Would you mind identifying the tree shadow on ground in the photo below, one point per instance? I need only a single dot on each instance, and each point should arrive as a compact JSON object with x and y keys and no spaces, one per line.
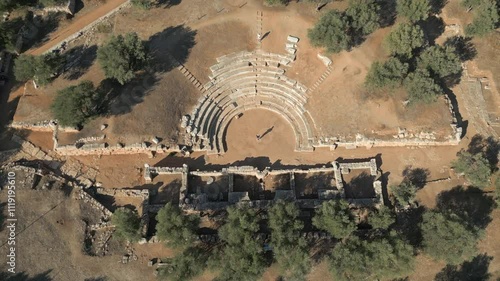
{"x":433,"y":27}
{"x":167,"y":3}
{"x":417,"y":176}
{"x":387,"y":13}
{"x":37,"y":29}
{"x":471,"y":205}
{"x":360,"y":186}
{"x":79,"y":60}
{"x":437,"y":6}
{"x":22,"y":276}
{"x":464,"y":47}
{"x":408,"y":224}
{"x":167,"y":49}
{"x":489,"y":147}
{"x":475,"y":269}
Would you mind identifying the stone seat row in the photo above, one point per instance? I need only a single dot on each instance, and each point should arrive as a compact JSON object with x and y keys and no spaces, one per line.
{"x":294,"y":118}
{"x":271,"y":86}
{"x":292,"y":112}
{"x":222,"y":100}
{"x":256,"y":55}
{"x":244,"y":66}
{"x":235,"y":81}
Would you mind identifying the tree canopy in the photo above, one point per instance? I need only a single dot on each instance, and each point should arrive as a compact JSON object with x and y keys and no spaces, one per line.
{"x":175,"y":228}
{"x":332,"y":32}
{"x":442,"y":61}
{"x":363,"y":16}
{"x":74,"y":105}
{"x":405,"y":38}
{"x":127,"y":224}
{"x":289,"y":247}
{"x":413,"y":10}
{"x":447,"y":238}
{"x":335,"y":217}
{"x":382,"y":218}
{"x":475,"y":167}
{"x":486,"y":18}
{"x":387,"y":74}
{"x":40,"y":68}
{"x":185,"y":266}
{"x":122,"y":56}
{"x":242,"y":257}
{"x":404,"y":193}
{"x":421,"y":87}
{"x":382,"y":258}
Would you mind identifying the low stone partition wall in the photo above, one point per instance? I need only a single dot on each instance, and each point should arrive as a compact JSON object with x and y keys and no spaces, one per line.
{"x":81,"y":194}
{"x":125,"y":192}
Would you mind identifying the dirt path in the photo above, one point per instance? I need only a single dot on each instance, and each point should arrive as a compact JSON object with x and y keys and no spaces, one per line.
{"x":60,"y":35}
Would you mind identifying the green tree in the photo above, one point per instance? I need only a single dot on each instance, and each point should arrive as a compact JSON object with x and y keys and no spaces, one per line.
{"x":8,"y":33}
{"x":475,"y":167}
{"x":127,"y":224}
{"x":242,"y":257}
{"x":383,"y":258}
{"x":443,"y":61}
{"x":122,"y":56}
{"x":289,"y":247}
{"x":447,"y":238}
{"x":363,"y":15}
{"x":421,"y":87}
{"x":74,"y":105}
{"x":388,"y":74}
{"x":143,"y":4}
{"x":405,"y":38}
{"x":174,"y":227}
{"x":332,"y":32}
{"x":413,"y":10}
{"x":335,"y":217}
{"x":40,"y":68}
{"x":185,"y":266}
{"x":405,"y":193}
{"x":486,"y":19}
{"x":276,"y":2}
{"x":382,"y":218}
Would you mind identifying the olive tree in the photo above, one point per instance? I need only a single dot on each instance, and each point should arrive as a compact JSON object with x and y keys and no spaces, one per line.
{"x":331,"y":32}
{"x":174,"y":227}
{"x":122,"y":56}
{"x":127,"y":224}
{"x":405,"y":38}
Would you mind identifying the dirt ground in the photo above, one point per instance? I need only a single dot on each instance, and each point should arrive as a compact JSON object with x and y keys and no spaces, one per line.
{"x":144,"y":108}
{"x":50,"y":241}
{"x":201,"y":28}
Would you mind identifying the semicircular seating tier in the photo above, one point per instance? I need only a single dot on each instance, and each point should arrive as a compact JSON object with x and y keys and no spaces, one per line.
{"x":244,"y":81}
